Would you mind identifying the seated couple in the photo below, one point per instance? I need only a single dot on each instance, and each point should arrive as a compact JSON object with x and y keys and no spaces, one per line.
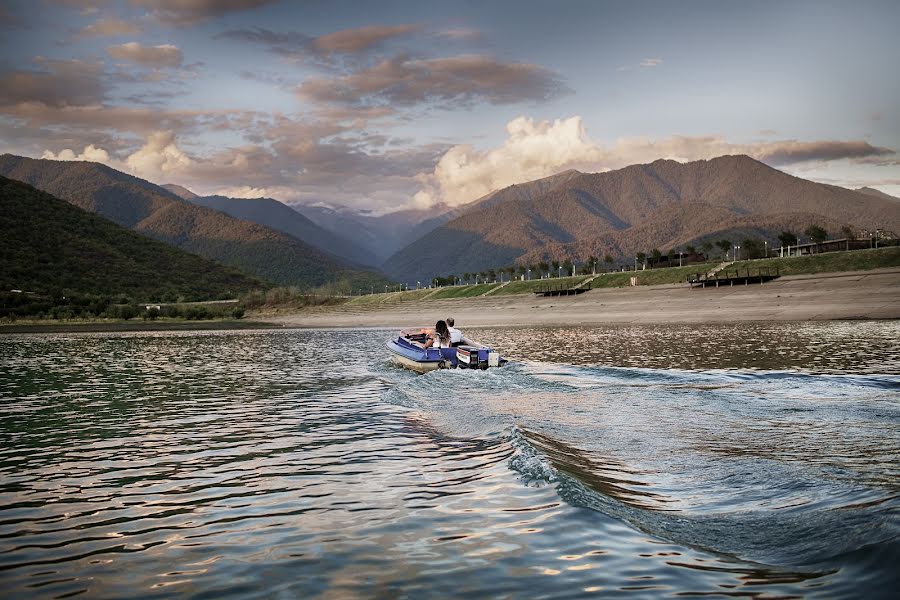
{"x":445,"y":335}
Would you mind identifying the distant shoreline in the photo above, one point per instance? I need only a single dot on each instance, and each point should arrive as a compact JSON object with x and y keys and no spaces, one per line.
{"x":136,"y":325}
{"x":833,"y":296}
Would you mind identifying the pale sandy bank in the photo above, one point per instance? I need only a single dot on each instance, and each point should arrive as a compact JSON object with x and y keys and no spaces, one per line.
{"x":829,"y":296}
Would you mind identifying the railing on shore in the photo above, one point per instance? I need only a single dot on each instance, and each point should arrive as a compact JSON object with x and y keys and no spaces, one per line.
{"x":732,"y":276}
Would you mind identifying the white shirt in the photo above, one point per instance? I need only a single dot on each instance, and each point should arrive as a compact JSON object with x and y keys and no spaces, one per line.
{"x":437,"y":343}
{"x":455,"y":335}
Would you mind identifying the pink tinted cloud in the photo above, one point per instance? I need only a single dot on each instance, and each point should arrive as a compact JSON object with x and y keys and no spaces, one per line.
{"x":360,"y":39}
{"x":165,"y":55}
{"x":182,"y":13}
{"x":464,"y":78}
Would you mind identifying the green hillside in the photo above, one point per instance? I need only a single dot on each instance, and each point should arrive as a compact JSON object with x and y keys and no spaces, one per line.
{"x":51,"y":247}
{"x":158,"y":213}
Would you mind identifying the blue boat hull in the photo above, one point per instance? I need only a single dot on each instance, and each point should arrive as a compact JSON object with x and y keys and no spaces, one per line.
{"x":406,"y":353}
{"x":421,"y":359}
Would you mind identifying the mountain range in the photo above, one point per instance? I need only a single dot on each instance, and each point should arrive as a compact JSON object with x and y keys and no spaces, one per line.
{"x":383,"y":235}
{"x":51,"y":246}
{"x":156,"y":212}
{"x":571,"y":215}
{"x":662,"y":205}
{"x":379,"y":235}
{"x":276,"y":215}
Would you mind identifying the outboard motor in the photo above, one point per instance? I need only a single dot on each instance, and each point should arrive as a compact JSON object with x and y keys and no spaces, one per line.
{"x":473,"y":357}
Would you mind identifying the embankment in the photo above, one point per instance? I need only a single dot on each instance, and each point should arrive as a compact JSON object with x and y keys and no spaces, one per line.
{"x":871,"y":294}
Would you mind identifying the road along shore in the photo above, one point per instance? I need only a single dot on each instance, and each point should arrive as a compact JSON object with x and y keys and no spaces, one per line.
{"x":827,"y":296}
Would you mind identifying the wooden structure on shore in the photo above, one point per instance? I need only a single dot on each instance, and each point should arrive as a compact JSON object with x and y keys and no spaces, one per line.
{"x":730,"y":277}
{"x":559,"y":290}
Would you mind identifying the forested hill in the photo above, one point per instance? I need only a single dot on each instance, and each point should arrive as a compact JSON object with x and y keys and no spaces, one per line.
{"x":51,"y":246}
{"x":153,"y":211}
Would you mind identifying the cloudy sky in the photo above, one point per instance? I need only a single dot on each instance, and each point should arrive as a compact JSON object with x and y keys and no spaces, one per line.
{"x":380,"y":106}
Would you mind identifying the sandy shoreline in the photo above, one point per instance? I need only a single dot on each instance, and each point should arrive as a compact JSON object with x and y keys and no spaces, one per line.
{"x":827,"y":296}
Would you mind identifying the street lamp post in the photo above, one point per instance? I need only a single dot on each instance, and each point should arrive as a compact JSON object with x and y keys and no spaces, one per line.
{"x":679,"y":258}
{"x":737,"y":251}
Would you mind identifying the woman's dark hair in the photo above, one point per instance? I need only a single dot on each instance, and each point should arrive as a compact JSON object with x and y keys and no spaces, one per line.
{"x":441,"y":330}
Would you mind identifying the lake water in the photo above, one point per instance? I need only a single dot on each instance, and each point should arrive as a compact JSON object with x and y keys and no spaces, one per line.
{"x":749,"y":460}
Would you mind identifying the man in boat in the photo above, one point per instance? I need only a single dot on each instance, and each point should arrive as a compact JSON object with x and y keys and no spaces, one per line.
{"x":456,"y":336}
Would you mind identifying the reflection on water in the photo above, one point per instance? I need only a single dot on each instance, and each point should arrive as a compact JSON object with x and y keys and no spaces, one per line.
{"x":606,"y":461}
{"x":819,"y":347}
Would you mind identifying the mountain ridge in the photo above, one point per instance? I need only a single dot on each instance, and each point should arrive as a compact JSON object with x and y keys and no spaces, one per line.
{"x":385,"y":234}
{"x":600,"y":213}
{"x":158,"y":213}
{"x":52,"y":244}
{"x":877,"y":193}
{"x":180,"y":191}
{"x":281,"y":217}
{"x":379,"y":235}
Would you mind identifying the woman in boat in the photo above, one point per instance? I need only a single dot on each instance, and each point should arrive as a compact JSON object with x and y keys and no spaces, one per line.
{"x":441,"y":336}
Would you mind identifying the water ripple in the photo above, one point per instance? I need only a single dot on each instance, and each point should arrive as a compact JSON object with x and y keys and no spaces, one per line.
{"x":298,"y":463}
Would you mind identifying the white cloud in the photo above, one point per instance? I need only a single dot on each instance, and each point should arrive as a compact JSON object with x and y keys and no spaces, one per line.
{"x":532,"y":150}
{"x":282,"y":193}
{"x":159,"y":158}
{"x":647,"y":63}
{"x":337,"y":170}
{"x":90,"y":153}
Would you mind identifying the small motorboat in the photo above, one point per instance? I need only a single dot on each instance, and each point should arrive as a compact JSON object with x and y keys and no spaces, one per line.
{"x":408,"y":350}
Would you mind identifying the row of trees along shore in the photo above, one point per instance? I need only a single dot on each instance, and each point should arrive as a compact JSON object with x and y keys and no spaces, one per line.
{"x":722,"y":249}
{"x":16,"y":305}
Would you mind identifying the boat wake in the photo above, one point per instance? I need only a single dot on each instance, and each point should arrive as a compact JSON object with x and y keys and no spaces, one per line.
{"x":780,"y":469}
